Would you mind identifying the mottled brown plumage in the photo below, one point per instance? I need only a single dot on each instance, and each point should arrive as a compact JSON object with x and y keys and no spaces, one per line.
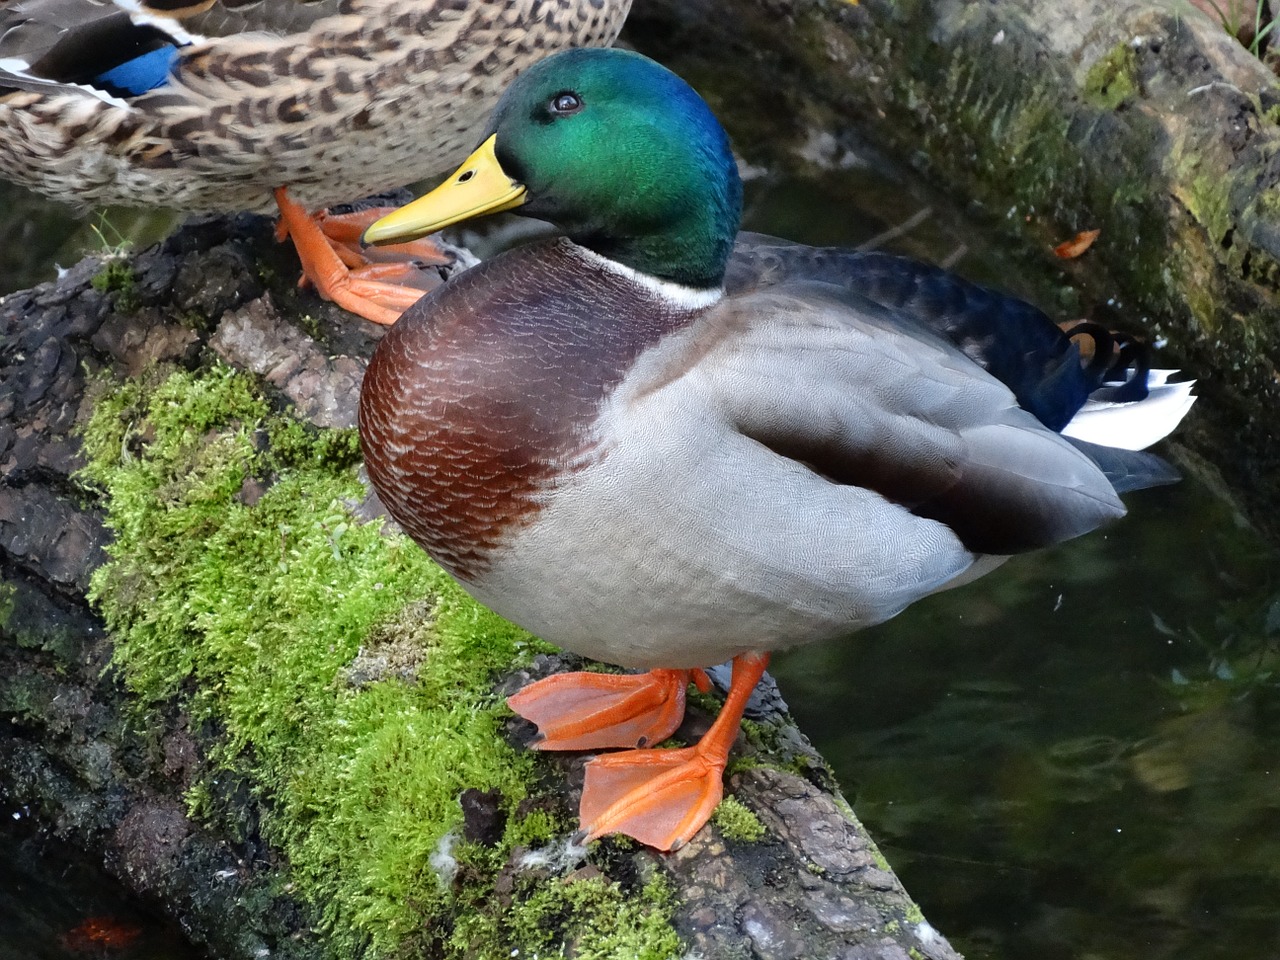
{"x":336,"y":99}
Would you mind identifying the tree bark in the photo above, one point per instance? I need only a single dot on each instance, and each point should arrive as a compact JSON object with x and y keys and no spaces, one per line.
{"x":97,"y":771}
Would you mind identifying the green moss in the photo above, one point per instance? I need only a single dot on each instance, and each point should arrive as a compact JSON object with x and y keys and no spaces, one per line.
{"x":26,"y":698}
{"x":1114,"y":79}
{"x":739,"y":763}
{"x":116,"y":276}
{"x":762,"y":736}
{"x":252,"y":615}
{"x":595,"y":919}
{"x":1268,"y":202}
{"x":538,"y":829}
{"x":24,"y":627}
{"x":8,"y":603}
{"x":879,"y":859}
{"x":1209,"y":201}
{"x":737,"y":821}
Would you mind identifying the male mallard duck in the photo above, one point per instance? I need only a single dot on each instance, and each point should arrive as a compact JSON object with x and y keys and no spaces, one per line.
{"x":214,"y":104}
{"x":658,"y":450}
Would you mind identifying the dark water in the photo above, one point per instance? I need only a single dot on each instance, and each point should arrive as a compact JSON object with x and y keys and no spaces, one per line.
{"x":54,"y":906}
{"x":1076,"y":757}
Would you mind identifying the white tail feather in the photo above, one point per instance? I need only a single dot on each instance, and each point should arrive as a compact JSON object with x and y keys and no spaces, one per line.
{"x":1137,"y":425}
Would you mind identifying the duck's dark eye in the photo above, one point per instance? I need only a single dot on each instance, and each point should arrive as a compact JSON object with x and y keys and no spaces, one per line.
{"x":565,"y":103}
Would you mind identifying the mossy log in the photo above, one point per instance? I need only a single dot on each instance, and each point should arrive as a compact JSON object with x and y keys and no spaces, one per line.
{"x":225,"y":727}
{"x":1142,"y":119}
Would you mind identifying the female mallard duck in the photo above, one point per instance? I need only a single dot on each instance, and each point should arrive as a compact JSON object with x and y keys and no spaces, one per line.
{"x":658,"y":450}
{"x":213,"y":104}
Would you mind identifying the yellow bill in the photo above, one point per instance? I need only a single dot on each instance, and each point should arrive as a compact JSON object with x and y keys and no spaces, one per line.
{"x":479,"y":186}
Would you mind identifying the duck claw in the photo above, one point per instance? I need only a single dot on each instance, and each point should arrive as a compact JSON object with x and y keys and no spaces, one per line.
{"x":341,"y":273}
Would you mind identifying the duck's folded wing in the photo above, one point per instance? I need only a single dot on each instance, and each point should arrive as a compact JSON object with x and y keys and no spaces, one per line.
{"x":838,"y":383}
{"x":1011,"y":339}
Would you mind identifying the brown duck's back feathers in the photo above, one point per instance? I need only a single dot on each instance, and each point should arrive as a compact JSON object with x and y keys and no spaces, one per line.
{"x":337,"y":99}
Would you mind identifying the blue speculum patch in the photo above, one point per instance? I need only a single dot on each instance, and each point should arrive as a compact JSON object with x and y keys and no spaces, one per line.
{"x":142,"y":73}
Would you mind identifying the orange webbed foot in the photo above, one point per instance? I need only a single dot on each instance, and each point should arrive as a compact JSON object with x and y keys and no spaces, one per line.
{"x":594,"y":711}
{"x":393,"y":262}
{"x":659,"y":797}
{"x":331,"y":259}
{"x":663,"y":797}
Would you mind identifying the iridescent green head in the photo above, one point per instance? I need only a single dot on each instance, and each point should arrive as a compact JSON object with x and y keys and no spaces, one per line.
{"x":614,"y":149}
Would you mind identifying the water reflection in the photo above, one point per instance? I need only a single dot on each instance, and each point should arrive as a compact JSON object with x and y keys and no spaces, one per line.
{"x":1077,"y":755}
{"x":55,"y":906}
{"x":36,"y":235}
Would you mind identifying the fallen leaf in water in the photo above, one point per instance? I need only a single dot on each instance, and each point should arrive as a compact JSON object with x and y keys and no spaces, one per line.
{"x":1077,"y":245}
{"x":100,"y":933}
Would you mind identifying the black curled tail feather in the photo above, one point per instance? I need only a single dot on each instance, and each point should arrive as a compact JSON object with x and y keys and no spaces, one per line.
{"x":1117,"y":358}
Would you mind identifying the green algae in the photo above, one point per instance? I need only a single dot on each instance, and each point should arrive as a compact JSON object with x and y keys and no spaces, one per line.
{"x":1113,"y":80}
{"x":241,"y":585}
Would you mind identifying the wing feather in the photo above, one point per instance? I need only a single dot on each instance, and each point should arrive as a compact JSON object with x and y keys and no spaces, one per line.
{"x":836,"y":382}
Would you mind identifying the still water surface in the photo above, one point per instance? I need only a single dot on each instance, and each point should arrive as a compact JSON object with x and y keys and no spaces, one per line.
{"x":1076,"y":757}
{"x":55,"y":906}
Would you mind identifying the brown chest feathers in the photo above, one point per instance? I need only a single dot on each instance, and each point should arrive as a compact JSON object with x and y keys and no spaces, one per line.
{"x":487,"y":391}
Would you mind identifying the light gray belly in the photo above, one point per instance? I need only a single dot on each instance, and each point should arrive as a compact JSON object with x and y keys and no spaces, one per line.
{"x":685,"y":547}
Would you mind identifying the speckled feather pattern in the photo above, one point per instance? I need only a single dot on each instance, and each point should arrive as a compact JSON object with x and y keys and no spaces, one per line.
{"x":378,"y":95}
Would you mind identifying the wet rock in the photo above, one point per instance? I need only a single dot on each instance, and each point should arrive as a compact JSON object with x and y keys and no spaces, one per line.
{"x":137,"y":342}
{"x":219,"y":280}
{"x":148,"y":841}
{"x":49,"y":532}
{"x":770,"y":933}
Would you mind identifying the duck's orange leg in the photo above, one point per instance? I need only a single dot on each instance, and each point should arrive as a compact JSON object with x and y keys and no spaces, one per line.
{"x":594,"y":711}
{"x":663,"y":797}
{"x":335,"y":277}
{"x":401,"y":261}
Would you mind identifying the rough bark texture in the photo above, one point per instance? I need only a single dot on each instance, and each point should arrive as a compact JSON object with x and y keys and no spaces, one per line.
{"x":72,"y":750}
{"x":1142,"y":119}
{"x":78,"y":753}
